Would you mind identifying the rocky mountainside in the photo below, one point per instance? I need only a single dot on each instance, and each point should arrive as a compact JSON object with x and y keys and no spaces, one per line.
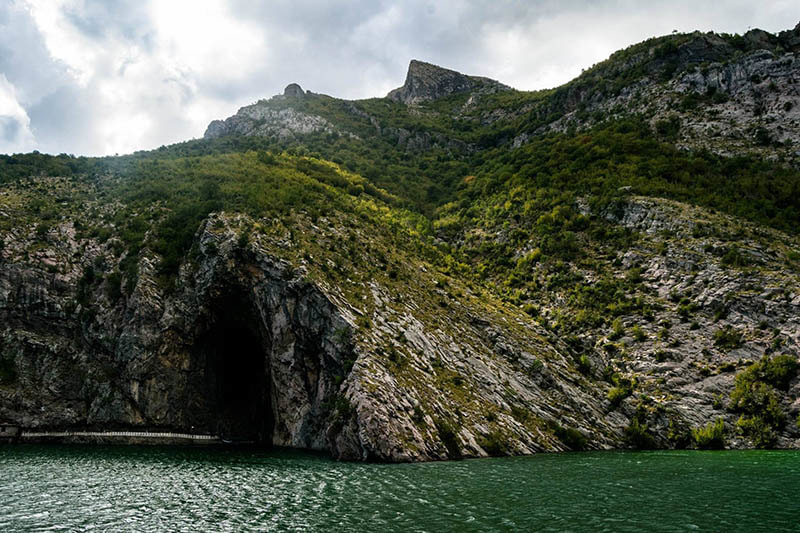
{"x":727,"y":94}
{"x":458,"y":269}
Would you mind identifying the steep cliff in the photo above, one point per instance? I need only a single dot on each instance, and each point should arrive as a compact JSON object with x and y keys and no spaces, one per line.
{"x":250,"y":347}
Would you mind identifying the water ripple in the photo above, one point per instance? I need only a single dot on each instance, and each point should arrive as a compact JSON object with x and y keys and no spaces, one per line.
{"x":68,"y":488}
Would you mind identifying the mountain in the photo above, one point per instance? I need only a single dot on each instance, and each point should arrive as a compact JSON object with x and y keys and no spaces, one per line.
{"x":457,"y":269}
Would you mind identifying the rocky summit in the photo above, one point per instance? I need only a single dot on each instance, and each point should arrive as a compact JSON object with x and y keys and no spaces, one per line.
{"x":425,"y":82}
{"x":458,"y":269}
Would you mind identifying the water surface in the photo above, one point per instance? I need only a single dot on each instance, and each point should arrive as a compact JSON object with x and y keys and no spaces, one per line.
{"x":65,"y":488}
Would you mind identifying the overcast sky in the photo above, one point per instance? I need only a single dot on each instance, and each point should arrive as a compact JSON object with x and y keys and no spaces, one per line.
{"x":93,"y":77}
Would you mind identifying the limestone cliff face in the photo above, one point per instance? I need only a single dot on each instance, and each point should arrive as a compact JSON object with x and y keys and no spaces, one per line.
{"x":244,"y":349}
{"x":279,"y":119}
{"x":248,"y":348}
{"x":425,"y":82}
{"x":251,"y":346}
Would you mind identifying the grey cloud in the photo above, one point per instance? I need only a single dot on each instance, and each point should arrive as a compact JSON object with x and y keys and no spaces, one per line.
{"x":24,"y":59}
{"x":10,"y":129}
{"x":103,"y":19}
{"x":65,"y":114}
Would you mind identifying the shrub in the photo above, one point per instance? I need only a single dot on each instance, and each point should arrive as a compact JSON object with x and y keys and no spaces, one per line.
{"x":584,"y":365}
{"x":493,"y":443}
{"x":8,"y":371}
{"x":669,"y":127}
{"x":763,"y":136}
{"x":678,"y":434}
{"x":777,"y":372}
{"x":780,"y":371}
{"x":617,"y":330}
{"x":617,"y":394}
{"x":570,"y":437}
{"x":758,"y":430}
{"x":733,"y":257}
{"x":449,"y":438}
{"x":711,"y":436}
{"x":637,"y":435}
{"x":755,"y":398}
{"x":727,"y":338}
{"x":114,"y":286}
{"x":340,"y":410}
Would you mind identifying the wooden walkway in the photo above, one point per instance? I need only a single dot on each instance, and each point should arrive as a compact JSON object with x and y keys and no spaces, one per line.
{"x":117,"y":434}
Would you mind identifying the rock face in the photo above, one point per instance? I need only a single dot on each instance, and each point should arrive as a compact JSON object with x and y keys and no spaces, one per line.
{"x":425,"y":82}
{"x":257,"y":119}
{"x":245,"y":350}
{"x":333,"y":328}
{"x":247,"y":347}
{"x":294,"y":90}
{"x":720,"y":94}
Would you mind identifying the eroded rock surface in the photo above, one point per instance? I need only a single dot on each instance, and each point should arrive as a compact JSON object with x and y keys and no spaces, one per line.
{"x":425,"y":82}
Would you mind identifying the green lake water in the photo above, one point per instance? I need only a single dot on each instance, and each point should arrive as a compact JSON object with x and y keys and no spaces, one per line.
{"x":77,"y":488}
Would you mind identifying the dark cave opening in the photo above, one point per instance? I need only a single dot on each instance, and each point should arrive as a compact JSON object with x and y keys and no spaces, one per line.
{"x":237,"y":384}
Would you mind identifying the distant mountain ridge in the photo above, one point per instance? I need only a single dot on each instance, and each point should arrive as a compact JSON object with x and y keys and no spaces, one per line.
{"x":731,"y":94}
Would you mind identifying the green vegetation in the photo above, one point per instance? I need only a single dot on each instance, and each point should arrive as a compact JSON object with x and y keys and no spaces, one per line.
{"x":755,"y":397}
{"x":679,"y":435}
{"x":638,"y":333}
{"x":449,"y":438}
{"x":617,"y":330}
{"x":341,"y":410}
{"x":570,"y":437}
{"x":439,"y":188}
{"x":494,"y":443}
{"x":637,"y":435}
{"x":727,"y":338}
{"x":617,"y":394}
{"x":711,"y":436}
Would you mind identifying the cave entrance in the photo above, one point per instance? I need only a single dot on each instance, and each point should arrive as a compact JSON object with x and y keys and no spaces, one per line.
{"x":237,"y":381}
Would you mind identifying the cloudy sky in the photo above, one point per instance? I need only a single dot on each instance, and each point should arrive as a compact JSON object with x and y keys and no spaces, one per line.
{"x":93,"y":77}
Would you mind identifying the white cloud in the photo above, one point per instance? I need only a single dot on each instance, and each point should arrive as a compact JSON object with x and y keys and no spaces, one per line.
{"x":15,"y":126}
{"x":200,"y":37}
{"x":63,"y":40}
{"x":144,"y":87}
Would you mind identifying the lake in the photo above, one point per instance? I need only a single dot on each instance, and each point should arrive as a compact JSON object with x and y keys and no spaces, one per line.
{"x":62,"y":487}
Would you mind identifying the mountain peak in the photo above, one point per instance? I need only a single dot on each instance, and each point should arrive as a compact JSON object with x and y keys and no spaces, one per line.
{"x":293,"y":89}
{"x":426,"y":81}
